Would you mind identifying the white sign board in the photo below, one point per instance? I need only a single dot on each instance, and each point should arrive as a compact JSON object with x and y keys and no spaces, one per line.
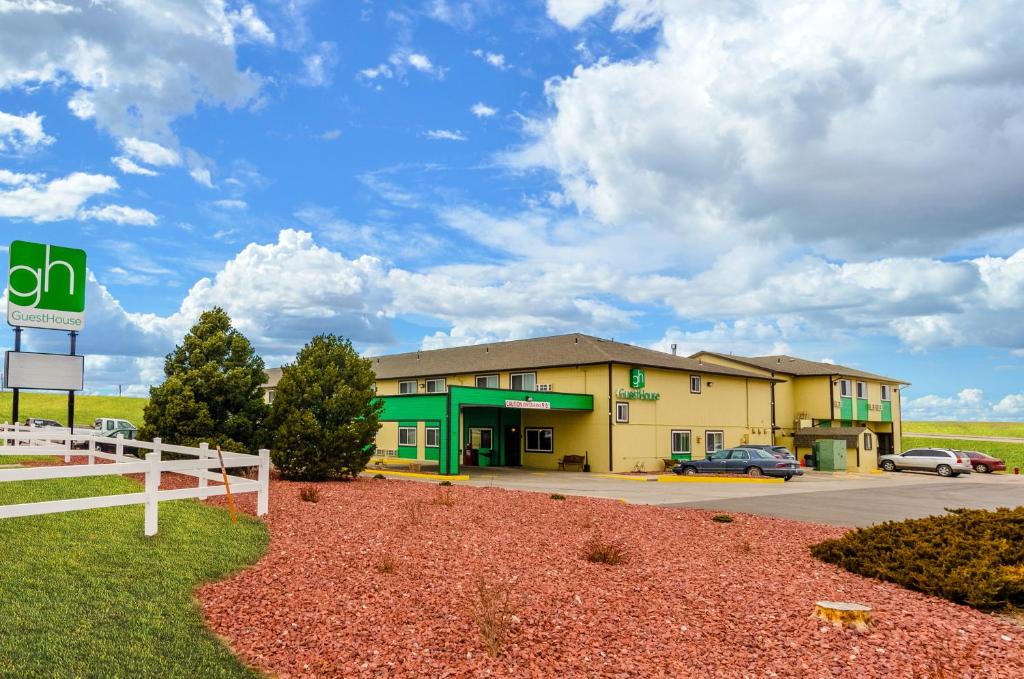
{"x":531,"y":405}
{"x":25,"y":370}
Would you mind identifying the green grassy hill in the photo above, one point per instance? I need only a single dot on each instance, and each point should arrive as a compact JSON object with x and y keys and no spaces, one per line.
{"x":87,"y":408}
{"x":1014,"y":429}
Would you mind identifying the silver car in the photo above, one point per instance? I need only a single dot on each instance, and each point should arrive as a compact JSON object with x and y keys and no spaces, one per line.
{"x":942,"y":461}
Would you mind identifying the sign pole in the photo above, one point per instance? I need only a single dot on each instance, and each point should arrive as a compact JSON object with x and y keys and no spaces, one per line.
{"x":71,"y":394}
{"x":14,"y":392}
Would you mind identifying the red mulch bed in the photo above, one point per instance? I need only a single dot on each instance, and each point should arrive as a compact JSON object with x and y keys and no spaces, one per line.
{"x":695,"y":598}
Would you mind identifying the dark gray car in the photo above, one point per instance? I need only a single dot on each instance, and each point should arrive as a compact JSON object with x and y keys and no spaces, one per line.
{"x":750,"y":461}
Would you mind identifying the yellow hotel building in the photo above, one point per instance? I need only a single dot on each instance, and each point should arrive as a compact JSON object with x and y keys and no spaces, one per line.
{"x":575,"y":401}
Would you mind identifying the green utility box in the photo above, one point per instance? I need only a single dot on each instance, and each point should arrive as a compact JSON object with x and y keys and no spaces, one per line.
{"x":830,"y":455}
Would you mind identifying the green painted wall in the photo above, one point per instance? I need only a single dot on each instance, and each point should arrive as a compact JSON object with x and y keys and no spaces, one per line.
{"x":845,"y":408}
{"x":886,"y":411}
{"x":862,"y":409}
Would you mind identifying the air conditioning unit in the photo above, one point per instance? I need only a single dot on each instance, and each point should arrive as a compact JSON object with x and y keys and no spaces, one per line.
{"x":543,"y":387}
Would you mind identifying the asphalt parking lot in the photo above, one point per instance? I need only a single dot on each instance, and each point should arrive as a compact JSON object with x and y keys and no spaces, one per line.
{"x":842,"y":500}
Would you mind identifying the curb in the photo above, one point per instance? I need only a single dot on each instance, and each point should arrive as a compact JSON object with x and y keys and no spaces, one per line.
{"x":688,"y":479}
{"x":417,"y":475}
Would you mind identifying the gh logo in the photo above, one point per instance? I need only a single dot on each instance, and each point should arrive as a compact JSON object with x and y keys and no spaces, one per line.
{"x":637,"y":380}
{"x":38,"y":279}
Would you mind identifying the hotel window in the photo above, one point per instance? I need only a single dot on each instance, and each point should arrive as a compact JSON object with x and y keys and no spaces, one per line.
{"x":523,"y":382}
{"x":869,"y":442}
{"x":540,"y":440}
{"x":680,"y":442}
{"x":435,"y":385}
{"x":407,"y":436}
{"x":694,"y":384}
{"x":481,"y":437}
{"x":844,"y":387}
{"x":622,"y":412}
{"x":407,"y":387}
{"x":270,"y":395}
{"x":886,"y":392}
{"x":714,"y":440}
{"x":432,"y":437}
{"x":862,"y":390}
{"x":486,"y":381}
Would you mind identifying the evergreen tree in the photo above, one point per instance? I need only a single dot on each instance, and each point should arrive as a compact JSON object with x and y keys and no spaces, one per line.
{"x":213,"y":389}
{"x":324,"y":418}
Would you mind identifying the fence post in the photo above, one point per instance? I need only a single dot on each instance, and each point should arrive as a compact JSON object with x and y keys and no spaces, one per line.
{"x":92,"y":450}
{"x":152,"y":486}
{"x":263,"y":494}
{"x":204,"y":448}
{"x":67,"y":446}
{"x":119,"y":448}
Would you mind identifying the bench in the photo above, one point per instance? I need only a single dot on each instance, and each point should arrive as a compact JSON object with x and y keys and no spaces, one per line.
{"x":577,"y":460}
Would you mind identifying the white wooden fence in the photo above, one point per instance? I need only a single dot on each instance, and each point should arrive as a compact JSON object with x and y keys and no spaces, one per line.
{"x":201,"y":463}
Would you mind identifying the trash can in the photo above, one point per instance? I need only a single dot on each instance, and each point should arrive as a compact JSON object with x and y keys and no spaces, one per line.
{"x":810,"y":461}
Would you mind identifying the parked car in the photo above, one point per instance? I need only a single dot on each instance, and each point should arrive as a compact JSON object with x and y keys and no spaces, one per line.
{"x":40,"y":422}
{"x":780,"y":452}
{"x":942,"y":461}
{"x":750,"y":461}
{"x":982,"y":463}
{"x":109,"y":427}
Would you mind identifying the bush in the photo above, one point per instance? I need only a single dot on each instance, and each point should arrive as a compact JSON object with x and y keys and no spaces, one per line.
{"x":213,"y":389}
{"x":493,"y":612}
{"x":310,"y":494}
{"x":608,"y":553}
{"x":445,"y":483}
{"x":974,"y":557}
{"x":722,"y":518}
{"x":387,"y":565}
{"x":323,"y":421}
{"x":379,"y":476}
{"x":556,"y":496}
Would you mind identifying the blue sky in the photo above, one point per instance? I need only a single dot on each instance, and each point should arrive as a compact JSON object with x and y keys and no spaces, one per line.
{"x":841,"y":181}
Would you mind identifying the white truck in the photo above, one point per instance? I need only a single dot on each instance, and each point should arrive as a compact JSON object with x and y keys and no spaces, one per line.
{"x":107,"y":426}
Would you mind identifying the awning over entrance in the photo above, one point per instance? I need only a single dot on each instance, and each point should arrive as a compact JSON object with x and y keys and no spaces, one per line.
{"x":445,"y":410}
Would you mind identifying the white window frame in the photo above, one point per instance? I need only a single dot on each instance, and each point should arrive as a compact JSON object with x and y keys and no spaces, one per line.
{"x":526,"y":439}
{"x":442,"y":380}
{"x":862,"y":386}
{"x":869,"y":442}
{"x":689,"y":442}
{"x":271,"y":393}
{"x":436,"y":431}
{"x":497,"y":381}
{"x":512,"y":378}
{"x":406,"y":382}
{"x":407,"y":430}
{"x":693,"y":379}
{"x":845,"y":389}
{"x":707,"y":440}
{"x":622,"y":412}
{"x":886,"y":392}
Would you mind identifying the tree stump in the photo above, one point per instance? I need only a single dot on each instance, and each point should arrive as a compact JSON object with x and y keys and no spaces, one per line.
{"x":843,"y":614}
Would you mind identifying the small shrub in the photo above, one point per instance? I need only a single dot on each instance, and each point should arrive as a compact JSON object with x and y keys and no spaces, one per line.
{"x":492,"y":609}
{"x":413,"y":513}
{"x":310,"y":494}
{"x":608,"y":553}
{"x":974,"y":557}
{"x":445,"y":483}
{"x":387,"y":565}
{"x":722,"y":518}
{"x":379,"y":476}
{"x":556,"y":496}
{"x":586,"y":521}
{"x":444,"y":498}
{"x":744,"y":547}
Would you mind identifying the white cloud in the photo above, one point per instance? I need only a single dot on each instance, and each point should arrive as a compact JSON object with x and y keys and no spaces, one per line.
{"x":128,"y":166}
{"x":131,"y":66}
{"x":379,"y":71}
{"x":495,"y":59}
{"x":150,"y":152}
{"x":330,"y":135}
{"x":119,"y":214}
{"x":852,"y":127}
{"x":199,"y":168}
{"x":249,"y":27}
{"x":318,"y":66}
{"x":17,"y":178}
{"x":968,"y":404}
{"x":482,"y":110}
{"x":421,"y":63}
{"x":56,"y":200}
{"x":231,"y":204}
{"x":449,"y":135}
{"x":22,"y":134}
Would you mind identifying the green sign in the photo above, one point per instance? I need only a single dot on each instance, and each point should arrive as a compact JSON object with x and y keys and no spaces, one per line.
{"x":46,"y":286}
{"x":638,"y":394}
{"x":637,"y":379}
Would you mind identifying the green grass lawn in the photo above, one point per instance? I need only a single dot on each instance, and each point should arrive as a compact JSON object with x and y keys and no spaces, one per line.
{"x":85,"y":594}
{"x":1013,"y":429}
{"x":87,"y":408}
{"x":1011,"y":453}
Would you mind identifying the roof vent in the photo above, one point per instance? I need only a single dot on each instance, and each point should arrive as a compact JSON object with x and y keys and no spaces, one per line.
{"x":576,"y":340}
{"x":778,"y":360}
{"x":674,"y":347}
{"x":417,"y":355}
{"x":487,"y":350}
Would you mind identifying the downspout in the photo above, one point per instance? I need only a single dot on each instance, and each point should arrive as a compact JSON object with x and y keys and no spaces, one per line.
{"x":831,"y":400}
{"x":611,"y":422}
{"x":772,"y":389}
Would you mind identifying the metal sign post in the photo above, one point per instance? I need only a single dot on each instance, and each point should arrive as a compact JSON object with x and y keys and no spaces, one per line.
{"x":15,"y":391}
{"x":71,"y":393}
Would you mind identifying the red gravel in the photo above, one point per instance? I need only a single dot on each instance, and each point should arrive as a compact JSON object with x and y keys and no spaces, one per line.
{"x":694,"y":599}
